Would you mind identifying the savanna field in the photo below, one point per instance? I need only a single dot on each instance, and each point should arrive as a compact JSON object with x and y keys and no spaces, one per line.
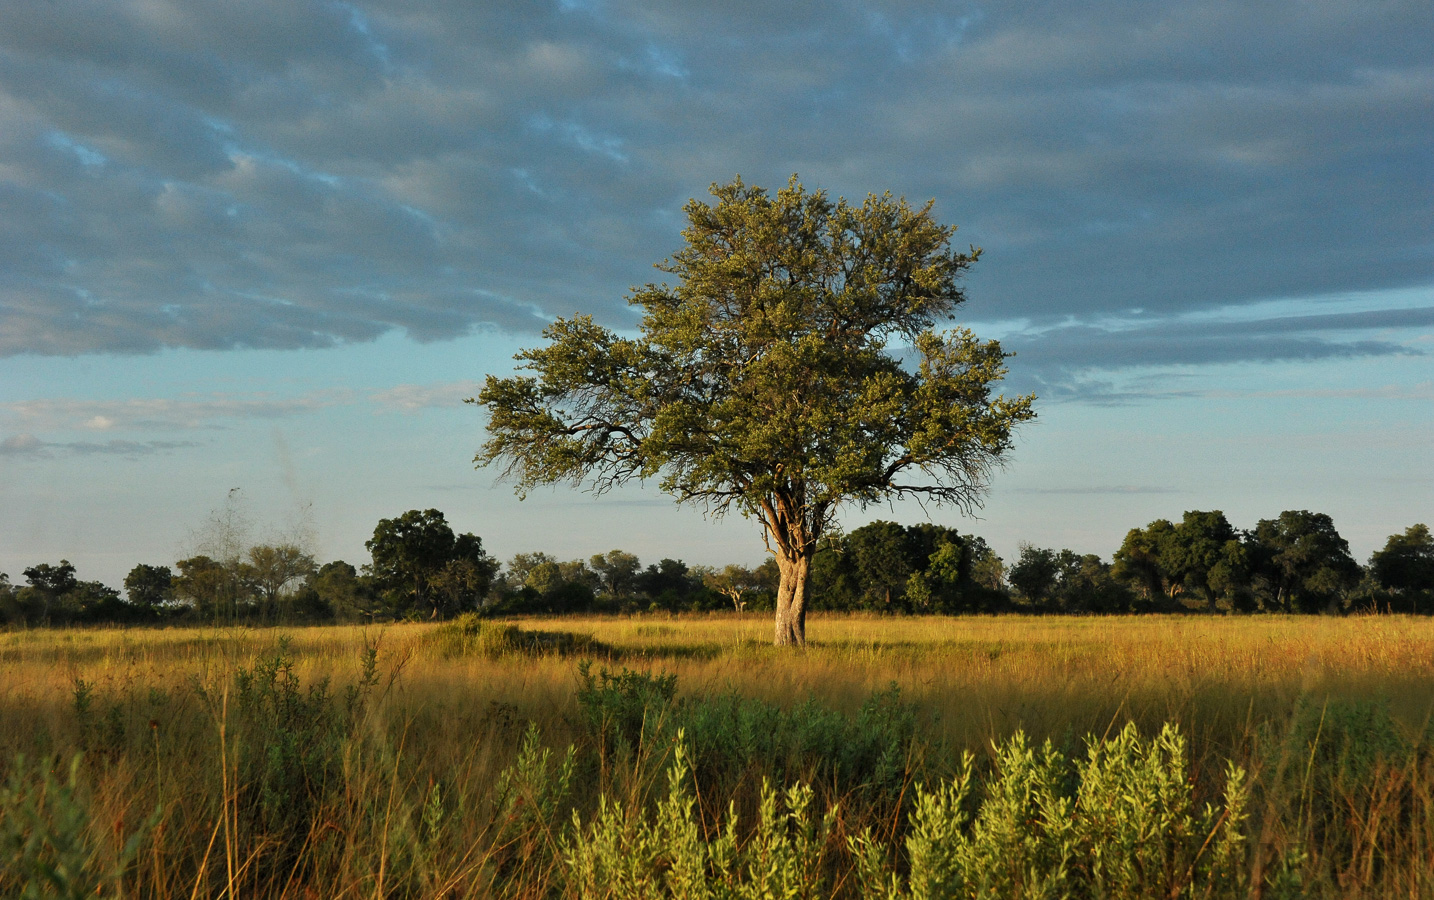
{"x":1182,"y":756}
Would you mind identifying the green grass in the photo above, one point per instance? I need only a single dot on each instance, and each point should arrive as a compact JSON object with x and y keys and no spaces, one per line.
{"x":597,"y":756}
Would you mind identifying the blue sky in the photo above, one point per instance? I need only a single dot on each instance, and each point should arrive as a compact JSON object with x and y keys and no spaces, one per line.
{"x":273,"y":245}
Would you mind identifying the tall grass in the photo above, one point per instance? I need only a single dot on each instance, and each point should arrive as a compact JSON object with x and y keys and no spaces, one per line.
{"x":476,"y":760}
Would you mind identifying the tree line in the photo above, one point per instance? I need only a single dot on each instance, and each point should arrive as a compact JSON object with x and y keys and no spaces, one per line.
{"x":421,"y":569}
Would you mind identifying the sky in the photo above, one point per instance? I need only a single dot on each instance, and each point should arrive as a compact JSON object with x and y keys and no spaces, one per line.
{"x":271,"y":246}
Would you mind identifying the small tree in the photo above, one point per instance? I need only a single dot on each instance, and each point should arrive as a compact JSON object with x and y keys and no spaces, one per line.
{"x":274,"y":568}
{"x":764,"y":380}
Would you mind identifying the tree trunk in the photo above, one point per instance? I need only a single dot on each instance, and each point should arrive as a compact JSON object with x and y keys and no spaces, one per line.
{"x":793,"y":591}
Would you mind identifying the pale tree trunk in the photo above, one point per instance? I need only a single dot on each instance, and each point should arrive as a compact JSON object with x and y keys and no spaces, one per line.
{"x":793,"y":592}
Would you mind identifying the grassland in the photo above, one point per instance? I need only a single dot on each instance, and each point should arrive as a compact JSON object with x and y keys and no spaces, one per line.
{"x":370,"y":762}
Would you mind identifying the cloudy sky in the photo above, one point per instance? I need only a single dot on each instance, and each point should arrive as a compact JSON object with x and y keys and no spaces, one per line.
{"x":271,"y":245}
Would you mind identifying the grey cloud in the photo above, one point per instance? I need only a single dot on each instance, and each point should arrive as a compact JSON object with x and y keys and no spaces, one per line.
{"x":27,"y":445}
{"x":297,"y":174}
{"x":415,"y":397}
{"x":165,"y":413}
{"x":1105,"y":489}
{"x":1073,"y":360}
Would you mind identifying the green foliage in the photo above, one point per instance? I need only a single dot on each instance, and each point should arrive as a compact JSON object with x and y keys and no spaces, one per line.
{"x":762,"y":380}
{"x":422,"y":566}
{"x":629,"y":714}
{"x":887,"y":567}
{"x":1064,"y":581}
{"x":624,"y":853}
{"x":469,"y":635}
{"x":1304,"y":564}
{"x":1405,"y":566}
{"x":1335,"y":757}
{"x":289,"y":744}
{"x":620,"y":709}
{"x":47,"y":845}
{"x":870,"y":754}
{"x":530,"y":799}
{"x":1122,"y":824}
{"x":149,"y":587}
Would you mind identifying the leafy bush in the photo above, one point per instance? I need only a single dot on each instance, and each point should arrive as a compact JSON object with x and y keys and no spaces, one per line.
{"x":469,"y":635}
{"x":1130,"y":829}
{"x":869,"y":755}
{"x":624,"y":853}
{"x":620,"y":709}
{"x":46,"y":846}
{"x":289,"y":746}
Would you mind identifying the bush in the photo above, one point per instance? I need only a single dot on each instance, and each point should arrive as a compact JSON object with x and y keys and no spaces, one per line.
{"x":46,"y":846}
{"x":1129,"y":829}
{"x":469,"y":635}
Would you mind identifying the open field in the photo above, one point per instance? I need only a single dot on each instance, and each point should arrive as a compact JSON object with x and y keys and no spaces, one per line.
{"x":237,"y":778}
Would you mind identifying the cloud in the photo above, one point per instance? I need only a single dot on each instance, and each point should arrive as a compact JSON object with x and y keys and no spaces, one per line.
{"x":22,"y":445}
{"x":1105,"y":489}
{"x":287,"y":174}
{"x":186,"y":412}
{"x":27,"y":445}
{"x":1076,"y":359}
{"x":415,"y":397}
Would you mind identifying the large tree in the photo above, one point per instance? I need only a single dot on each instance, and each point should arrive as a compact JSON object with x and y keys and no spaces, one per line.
{"x":1303,"y":560}
{"x":1204,"y":554}
{"x":419,"y":563}
{"x":794,"y":367}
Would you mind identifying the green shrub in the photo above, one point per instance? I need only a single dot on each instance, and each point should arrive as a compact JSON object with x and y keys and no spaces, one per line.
{"x":288,"y":747}
{"x":727,"y":735}
{"x":626,"y":854}
{"x":621,"y":710}
{"x":46,"y":846}
{"x":469,"y":635}
{"x":1130,"y":829}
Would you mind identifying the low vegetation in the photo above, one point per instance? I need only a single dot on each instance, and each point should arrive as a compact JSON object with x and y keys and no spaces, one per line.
{"x":684,"y":756}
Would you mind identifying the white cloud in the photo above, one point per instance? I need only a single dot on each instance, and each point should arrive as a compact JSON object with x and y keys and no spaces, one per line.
{"x":415,"y":397}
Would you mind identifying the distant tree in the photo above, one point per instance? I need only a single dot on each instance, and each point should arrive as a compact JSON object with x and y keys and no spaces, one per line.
{"x":54,"y":580}
{"x":1088,"y":585}
{"x":273,"y":568}
{"x":348,"y":595}
{"x":411,"y":550}
{"x":766,"y":380}
{"x":618,"y":570}
{"x":734,"y":582}
{"x":1035,"y":574}
{"x":10,"y":611}
{"x":1141,"y":562}
{"x":149,"y":588}
{"x":988,"y":570}
{"x":937,"y":585}
{"x":94,"y":601}
{"x":1304,"y":563}
{"x":461,"y":585}
{"x":49,"y":583}
{"x":882,"y":560}
{"x":208,"y":586}
{"x":667,"y":578}
{"x":1406,"y":567}
{"x":516,"y":572}
{"x":1204,"y":555}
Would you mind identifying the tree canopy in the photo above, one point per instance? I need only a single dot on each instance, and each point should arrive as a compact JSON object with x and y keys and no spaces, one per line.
{"x":420,"y":564}
{"x":794,"y":367}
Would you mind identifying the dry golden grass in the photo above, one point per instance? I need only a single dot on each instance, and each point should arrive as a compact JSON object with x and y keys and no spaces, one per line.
{"x":455,"y":721}
{"x":980,"y":677}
